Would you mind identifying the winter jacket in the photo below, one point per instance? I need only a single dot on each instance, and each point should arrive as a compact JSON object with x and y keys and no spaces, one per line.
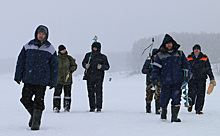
{"x":200,"y":67}
{"x":37,"y":63}
{"x":148,"y":65}
{"x":67,"y":65}
{"x":93,"y":73}
{"x":169,"y":66}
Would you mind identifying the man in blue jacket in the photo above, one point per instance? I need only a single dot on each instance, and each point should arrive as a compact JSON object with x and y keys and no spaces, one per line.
{"x":168,"y":66}
{"x":37,"y":67}
{"x":147,"y":69}
{"x":200,"y":68}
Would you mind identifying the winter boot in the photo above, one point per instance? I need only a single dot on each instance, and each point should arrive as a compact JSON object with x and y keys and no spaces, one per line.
{"x":164,"y":113}
{"x":56,"y":110}
{"x":157,"y":107}
{"x":30,"y":110}
{"x":92,"y":110}
{"x":98,"y":110}
{"x":148,"y":107}
{"x":199,"y":112}
{"x":175,"y":111}
{"x":190,"y":109}
{"x":36,"y":119}
{"x":66,"y":104}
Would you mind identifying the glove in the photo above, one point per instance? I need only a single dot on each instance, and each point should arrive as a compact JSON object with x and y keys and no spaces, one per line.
{"x":99,"y":66}
{"x":51,"y":87}
{"x":87,"y":66}
{"x":17,"y":81}
{"x":213,"y":82}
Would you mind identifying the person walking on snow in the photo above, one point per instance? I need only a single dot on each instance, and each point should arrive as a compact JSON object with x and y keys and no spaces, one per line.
{"x":200,"y":68}
{"x":67,"y":65}
{"x":95,"y":63}
{"x":147,"y":69}
{"x":37,"y":67}
{"x":169,"y":65}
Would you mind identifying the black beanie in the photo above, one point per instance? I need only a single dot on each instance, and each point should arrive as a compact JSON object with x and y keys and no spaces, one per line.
{"x":197,"y":46}
{"x":61,"y":47}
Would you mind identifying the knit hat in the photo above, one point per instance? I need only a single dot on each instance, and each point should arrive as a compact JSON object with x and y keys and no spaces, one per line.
{"x":197,"y":46}
{"x":42,"y":30}
{"x":61,"y":47}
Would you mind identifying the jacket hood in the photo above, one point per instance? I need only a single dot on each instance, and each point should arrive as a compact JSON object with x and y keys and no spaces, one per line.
{"x":39,"y":27}
{"x":168,"y":39}
{"x":155,"y":51}
{"x":97,"y":45}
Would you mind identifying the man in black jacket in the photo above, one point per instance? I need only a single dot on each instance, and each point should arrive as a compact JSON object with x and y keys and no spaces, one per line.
{"x":200,"y":68}
{"x":95,"y":63}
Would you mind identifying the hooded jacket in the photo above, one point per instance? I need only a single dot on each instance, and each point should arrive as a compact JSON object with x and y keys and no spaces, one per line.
{"x":97,"y":57}
{"x":169,"y":66}
{"x":67,"y":65}
{"x":148,"y":65}
{"x":37,"y":63}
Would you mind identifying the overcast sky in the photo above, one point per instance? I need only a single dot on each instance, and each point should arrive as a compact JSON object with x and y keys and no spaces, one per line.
{"x":118,"y":23}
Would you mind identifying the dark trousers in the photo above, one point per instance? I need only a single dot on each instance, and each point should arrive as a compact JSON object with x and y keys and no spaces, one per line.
{"x":197,"y":93}
{"x":30,"y":90}
{"x":95,"y":93}
{"x":170,"y":92}
{"x":57,"y":96}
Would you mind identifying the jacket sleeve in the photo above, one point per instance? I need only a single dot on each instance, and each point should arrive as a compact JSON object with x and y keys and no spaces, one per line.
{"x":157,"y":66}
{"x":53,"y":70}
{"x":73,"y":65}
{"x":85,"y":60}
{"x":146,"y":68}
{"x":20,"y":65}
{"x":209,"y":70}
{"x":105,"y":65}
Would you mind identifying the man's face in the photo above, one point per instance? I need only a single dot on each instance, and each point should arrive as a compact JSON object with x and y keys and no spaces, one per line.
{"x":155,"y":56}
{"x":169,"y":46}
{"x":197,"y":51}
{"x":41,"y":36}
{"x":63,"y":51}
{"x":94,"y":49}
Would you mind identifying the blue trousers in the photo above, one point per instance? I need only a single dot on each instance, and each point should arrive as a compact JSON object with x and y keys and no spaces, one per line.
{"x":168,"y":92}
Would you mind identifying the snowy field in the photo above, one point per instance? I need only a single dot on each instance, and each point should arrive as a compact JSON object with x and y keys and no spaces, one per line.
{"x":123,"y":113}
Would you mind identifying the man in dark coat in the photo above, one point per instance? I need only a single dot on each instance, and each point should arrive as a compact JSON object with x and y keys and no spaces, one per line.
{"x":37,"y":67}
{"x":168,"y":66}
{"x":147,"y":69}
{"x":200,"y":67}
{"x":67,"y":65}
{"x":95,"y":63}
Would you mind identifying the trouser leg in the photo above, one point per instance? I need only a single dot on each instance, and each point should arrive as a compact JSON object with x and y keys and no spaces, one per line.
{"x":149,"y":97}
{"x":192,"y":92}
{"x":99,"y":94}
{"x":67,"y":97}
{"x":176,"y":94}
{"x":91,"y":94}
{"x":57,"y":96}
{"x":200,"y":96}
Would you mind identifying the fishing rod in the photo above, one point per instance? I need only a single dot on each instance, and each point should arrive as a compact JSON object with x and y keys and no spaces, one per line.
{"x":150,"y":46}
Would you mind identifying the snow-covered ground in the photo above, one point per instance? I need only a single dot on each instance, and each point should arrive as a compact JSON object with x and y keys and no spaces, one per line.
{"x":123,"y":113}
